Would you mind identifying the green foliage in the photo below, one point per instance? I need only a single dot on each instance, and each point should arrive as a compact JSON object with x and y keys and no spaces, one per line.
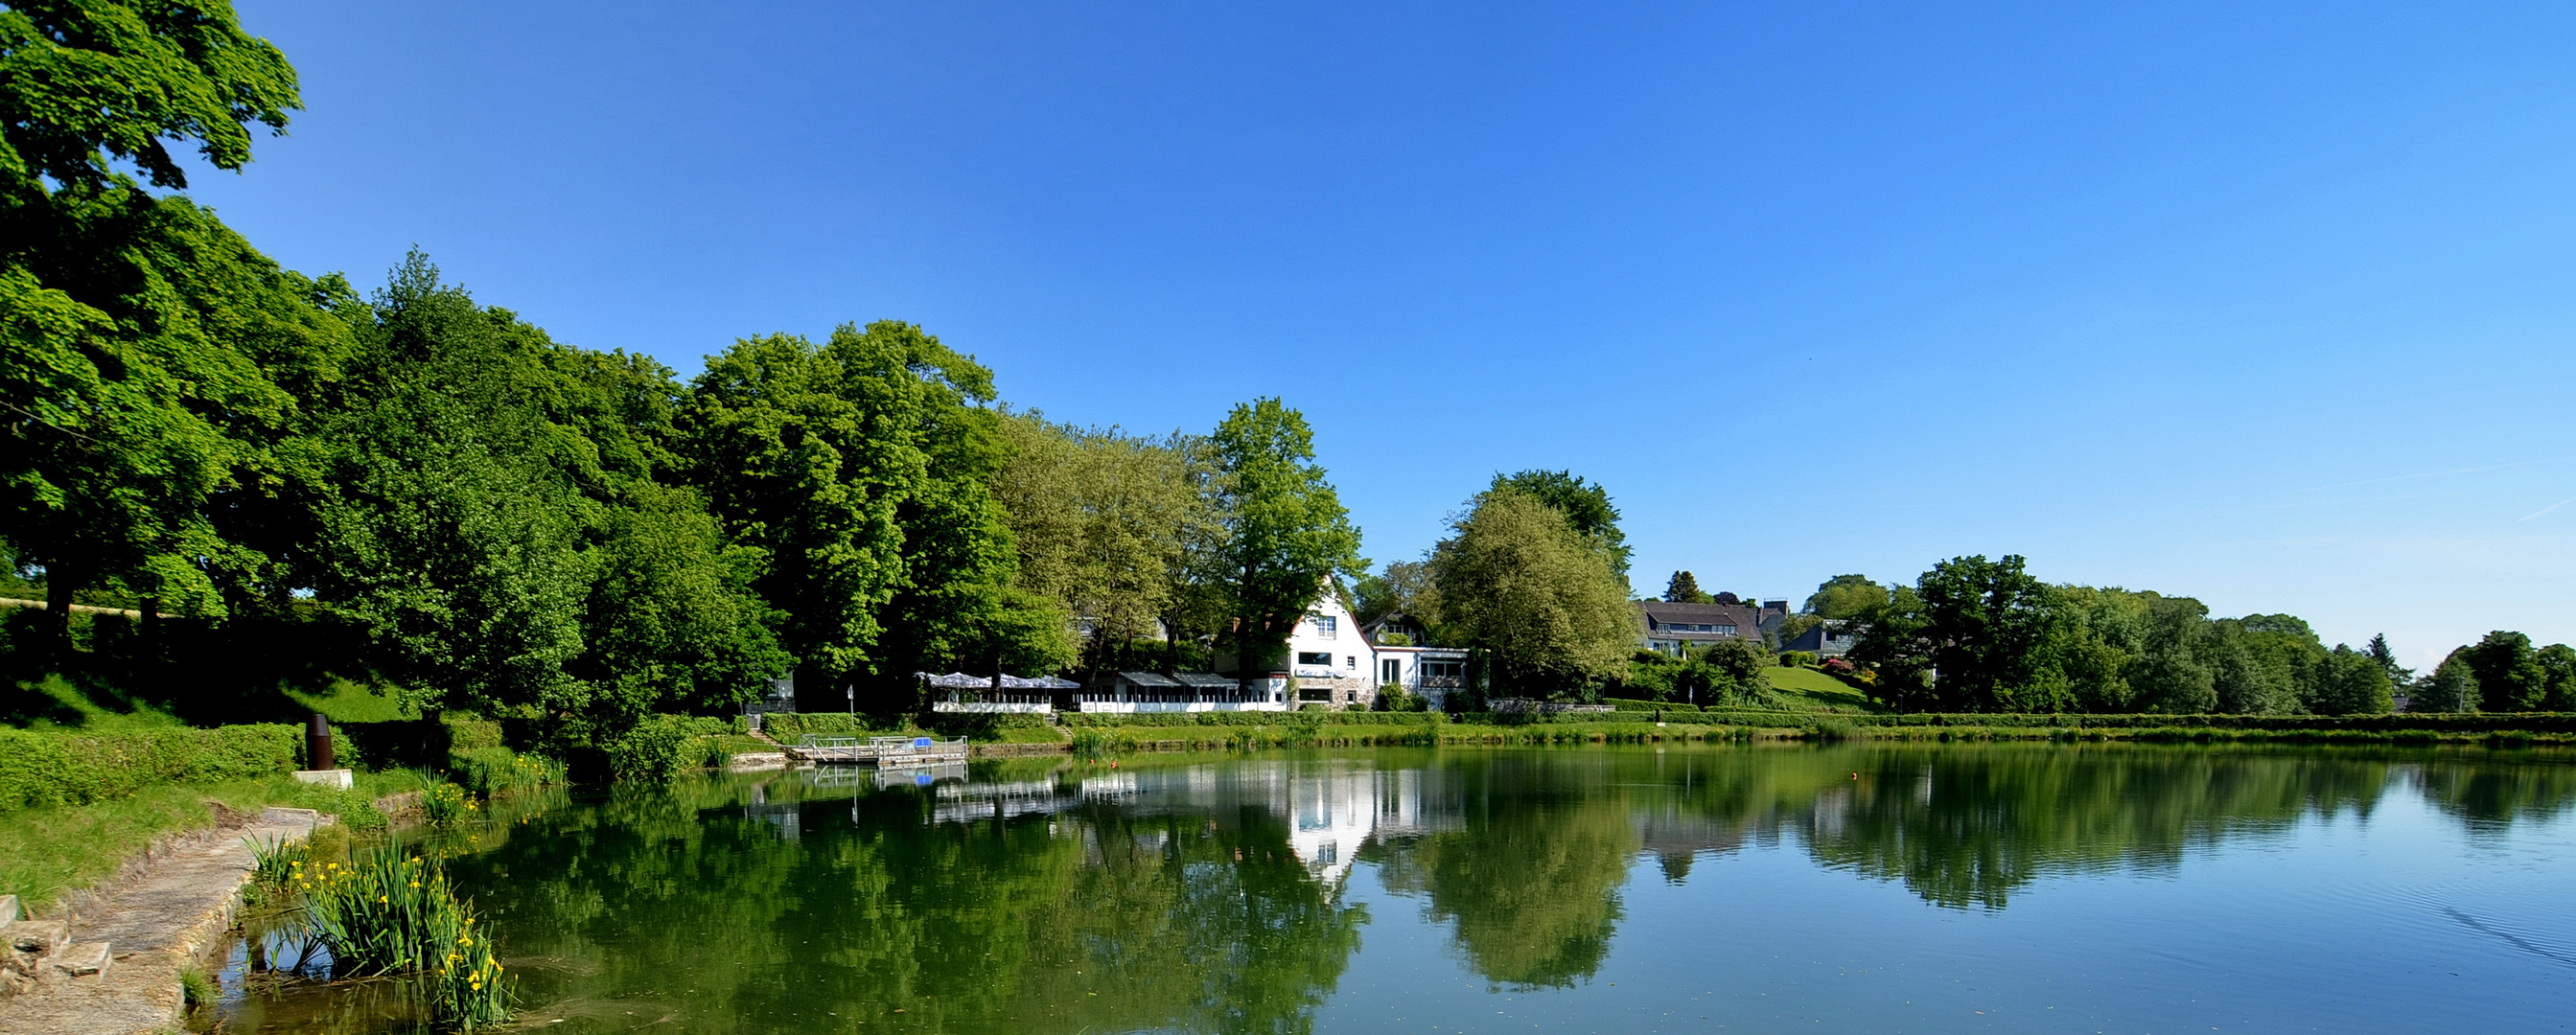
{"x":1104,"y":523}
{"x":1846,"y":596}
{"x":1393,"y":697}
{"x":2349,"y":682}
{"x":487,"y":771}
{"x":660,"y":746}
{"x":1683,"y":588}
{"x":861,"y":470}
{"x":69,"y":768}
{"x":387,"y":912}
{"x":1586,"y":508}
{"x":2509,"y":673}
{"x":446,"y":804}
{"x":1798,"y":659}
{"x":486,"y":507}
{"x":1284,"y":530}
{"x":2002,"y":641}
{"x":89,"y":82}
{"x":2451,"y":688}
{"x":1542,"y":603}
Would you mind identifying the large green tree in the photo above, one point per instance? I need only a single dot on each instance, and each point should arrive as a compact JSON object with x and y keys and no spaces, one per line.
{"x":861,"y":467}
{"x":1585,"y":505}
{"x":141,"y":342}
{"x":1285,"y":532}
{"x":499,"y":514}
{"x":1974,"y":635}
{"x":2510,"y":676}
{"x":1104,"y":523}
{"x":1542,"y":603}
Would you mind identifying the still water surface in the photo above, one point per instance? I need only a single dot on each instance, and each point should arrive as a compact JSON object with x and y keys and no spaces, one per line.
{"x":1685,"y":889}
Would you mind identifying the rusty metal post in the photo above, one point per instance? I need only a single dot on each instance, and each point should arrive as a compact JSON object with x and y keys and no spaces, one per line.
{"x":317,"y":743}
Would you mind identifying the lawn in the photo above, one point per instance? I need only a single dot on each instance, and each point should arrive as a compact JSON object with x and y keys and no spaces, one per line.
{"x":45,"y":852}
{"x":1809,"y":688}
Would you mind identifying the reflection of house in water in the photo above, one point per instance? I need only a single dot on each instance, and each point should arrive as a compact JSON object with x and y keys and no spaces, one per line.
{"x":1001,"y":799}
{"x":781,"y":815}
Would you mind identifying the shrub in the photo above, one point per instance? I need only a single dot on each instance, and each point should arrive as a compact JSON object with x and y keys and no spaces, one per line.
{"x":653,"y":750}
{"x":1799,"y":659}
{"x":73,"y":768}
{"x":1395,"y":698}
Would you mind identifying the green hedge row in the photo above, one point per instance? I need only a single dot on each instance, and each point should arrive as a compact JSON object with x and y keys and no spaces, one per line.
{"x":78,"y":768}
{"x":2457,"y":722}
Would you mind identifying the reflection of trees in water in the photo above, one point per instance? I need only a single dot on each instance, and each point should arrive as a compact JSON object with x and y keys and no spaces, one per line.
{"x":1531,"y":880}
{"x":2491,"y":790}
{"x":1182,"y":901}
{"x":1970,"y":827}
{"x":1094,"y":921}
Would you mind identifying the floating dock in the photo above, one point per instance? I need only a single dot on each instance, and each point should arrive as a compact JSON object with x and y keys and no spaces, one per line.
{"x":877,"y":751}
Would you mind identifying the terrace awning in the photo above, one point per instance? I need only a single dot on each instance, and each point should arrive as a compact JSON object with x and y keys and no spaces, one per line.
{"x":962,"y":681}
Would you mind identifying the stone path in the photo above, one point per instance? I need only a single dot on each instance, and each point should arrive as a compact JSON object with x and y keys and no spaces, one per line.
{"x":167,"y":914}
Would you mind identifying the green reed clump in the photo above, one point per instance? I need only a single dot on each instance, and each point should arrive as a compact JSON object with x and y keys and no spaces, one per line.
{"x":391,"y":913}
{"x":446,"y":804}
{"x":274,"y":861}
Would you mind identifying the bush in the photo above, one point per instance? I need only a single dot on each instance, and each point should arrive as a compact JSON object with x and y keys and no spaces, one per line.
{"x":653,"y":750}
{"x":1800,"y":659}
{"x":1395,"y":698}
{"x":73,"y":768}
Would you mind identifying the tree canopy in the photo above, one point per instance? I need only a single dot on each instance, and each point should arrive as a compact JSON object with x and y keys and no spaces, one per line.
{"x":1285,"y":534}
{"x":1541,"y":602}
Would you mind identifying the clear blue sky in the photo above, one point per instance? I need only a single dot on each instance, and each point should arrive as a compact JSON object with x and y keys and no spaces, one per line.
{"x":2264,"y":304}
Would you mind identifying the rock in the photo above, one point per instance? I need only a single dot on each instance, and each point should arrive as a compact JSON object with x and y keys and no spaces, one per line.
{"x":38,"y":936}
{"x":8,"y":910}
{"x":83,"y":959}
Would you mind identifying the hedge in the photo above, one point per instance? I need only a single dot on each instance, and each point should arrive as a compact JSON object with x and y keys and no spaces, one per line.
{"x":77,"y":768}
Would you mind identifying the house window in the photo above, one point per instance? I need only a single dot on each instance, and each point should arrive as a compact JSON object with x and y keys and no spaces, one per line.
{"x":1390,"y":671}
{"x":1311,"y":657}
{"x":1723,"y":630}
{"x":1351,"y":662}
{"x":1449,"y":672}
{"x":1325,"y":626}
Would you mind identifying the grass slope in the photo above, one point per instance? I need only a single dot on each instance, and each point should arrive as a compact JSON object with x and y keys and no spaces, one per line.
{"x":1809,"y":688}
{"x":45,"y":852}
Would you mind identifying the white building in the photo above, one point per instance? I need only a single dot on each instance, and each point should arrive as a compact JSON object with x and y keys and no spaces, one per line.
{"x":1335,"y":662}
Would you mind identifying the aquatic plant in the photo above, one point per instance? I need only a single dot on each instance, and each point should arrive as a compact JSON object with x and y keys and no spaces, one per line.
{"x":446,"y":803}
{"x":389,"y":913}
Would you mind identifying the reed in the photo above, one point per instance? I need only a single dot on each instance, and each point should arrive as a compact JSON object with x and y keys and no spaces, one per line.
{"x":387,"y":912}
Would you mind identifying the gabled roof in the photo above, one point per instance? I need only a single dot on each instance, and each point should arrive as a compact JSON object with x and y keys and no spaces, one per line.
{"x":1659,"y":613}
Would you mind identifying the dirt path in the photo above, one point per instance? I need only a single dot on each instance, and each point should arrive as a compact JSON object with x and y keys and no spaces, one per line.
{"x":162,"y":916}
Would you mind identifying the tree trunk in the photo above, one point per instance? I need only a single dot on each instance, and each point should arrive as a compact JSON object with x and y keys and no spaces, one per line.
{"x":58,"y":607}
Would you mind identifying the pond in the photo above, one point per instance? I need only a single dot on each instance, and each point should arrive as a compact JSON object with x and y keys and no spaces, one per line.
{"x":1739,"y":888}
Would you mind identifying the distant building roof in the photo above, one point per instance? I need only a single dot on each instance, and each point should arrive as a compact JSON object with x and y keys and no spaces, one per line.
{"x":1685,"y":620}
{"x":1149,"y":679}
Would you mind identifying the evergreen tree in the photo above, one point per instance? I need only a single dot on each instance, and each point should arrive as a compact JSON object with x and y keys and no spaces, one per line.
{"x":1683,"y":588}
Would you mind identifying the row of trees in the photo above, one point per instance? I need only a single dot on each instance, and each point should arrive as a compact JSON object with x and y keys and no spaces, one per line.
{"x":520,"y":526}
{"x":1975,"y":634}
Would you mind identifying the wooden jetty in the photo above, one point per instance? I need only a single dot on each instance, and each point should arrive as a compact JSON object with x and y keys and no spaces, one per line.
{"x":877,"y":751}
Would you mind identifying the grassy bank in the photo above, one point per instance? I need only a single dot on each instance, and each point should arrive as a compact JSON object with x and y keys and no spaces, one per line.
{"x":51,"y":850}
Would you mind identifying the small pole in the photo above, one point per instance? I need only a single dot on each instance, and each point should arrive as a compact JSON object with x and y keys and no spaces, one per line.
{"x":317,"y":743}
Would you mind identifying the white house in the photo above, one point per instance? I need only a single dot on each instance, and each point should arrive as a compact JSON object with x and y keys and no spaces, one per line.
{"x":1336,"y":662}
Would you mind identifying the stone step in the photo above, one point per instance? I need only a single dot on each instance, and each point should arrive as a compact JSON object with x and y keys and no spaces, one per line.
{"x":37,"y":936}
{"x":83,"y":959}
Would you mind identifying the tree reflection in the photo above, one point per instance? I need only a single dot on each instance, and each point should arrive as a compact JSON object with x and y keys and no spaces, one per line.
{"x":1198,"y":895}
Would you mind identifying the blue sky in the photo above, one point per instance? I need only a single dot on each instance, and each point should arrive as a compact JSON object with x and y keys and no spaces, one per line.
{"x":2263,"y":304}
